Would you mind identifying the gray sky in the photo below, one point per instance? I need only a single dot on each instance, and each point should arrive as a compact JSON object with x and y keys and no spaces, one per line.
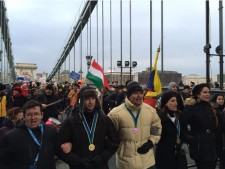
{"x":40,"y":29}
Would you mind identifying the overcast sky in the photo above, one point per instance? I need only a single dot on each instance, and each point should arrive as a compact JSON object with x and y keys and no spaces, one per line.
{"x":40,"y":29}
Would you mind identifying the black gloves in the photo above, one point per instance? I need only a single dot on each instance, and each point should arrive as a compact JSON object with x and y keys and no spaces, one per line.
{"x":98,"y":160}
{"x":85,"y":163}
{"x":145,"y":147}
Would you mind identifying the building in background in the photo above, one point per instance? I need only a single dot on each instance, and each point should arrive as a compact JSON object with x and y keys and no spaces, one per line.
{"x":26,"y":70}
{"x":194,"y":78}
{"x":166,"y":77}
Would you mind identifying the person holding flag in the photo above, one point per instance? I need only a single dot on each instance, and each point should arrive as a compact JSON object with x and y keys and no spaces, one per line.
{"x":154,"y":86}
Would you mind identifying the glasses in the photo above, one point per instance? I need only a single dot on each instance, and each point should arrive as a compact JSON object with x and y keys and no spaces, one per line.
{"x":33,"y":115}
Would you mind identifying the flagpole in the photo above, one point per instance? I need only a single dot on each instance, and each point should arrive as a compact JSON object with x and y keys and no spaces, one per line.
{"x":150,"y":35}
{"x":103,"y":62}
{"x":111,"y":40}
{"x":162,"y":41}
{"x":130,"y":42}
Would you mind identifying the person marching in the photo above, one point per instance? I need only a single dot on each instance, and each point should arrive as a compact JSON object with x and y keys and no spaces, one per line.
{"x":31,"y":144}
{"x":202,"y":122}
{"x":139,"y":130}
{"x":168,"y":150}
{"x":92,"y":134}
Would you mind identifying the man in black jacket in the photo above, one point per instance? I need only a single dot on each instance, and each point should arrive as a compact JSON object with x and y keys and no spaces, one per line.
{"x":31,"y":144}
{"x":92,"y":134}
{"x":51,"y":108}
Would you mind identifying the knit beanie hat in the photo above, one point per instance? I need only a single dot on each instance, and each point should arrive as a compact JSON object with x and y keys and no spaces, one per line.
{"x":132,"y":87}
{"x":171,"y":84}
{"x":86,"y":92}
{"x":49,"y":87}
{"x":166,"y":97}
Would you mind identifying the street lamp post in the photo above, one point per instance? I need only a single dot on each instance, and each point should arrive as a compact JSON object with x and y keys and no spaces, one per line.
{"x":219,"y":51}
{"x":127,"y":65}
{"x":88,"y":58}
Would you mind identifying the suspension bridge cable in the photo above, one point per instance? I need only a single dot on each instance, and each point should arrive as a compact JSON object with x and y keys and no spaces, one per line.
{"x":90,"y":29}
{"x":81,"y":72}
{"x":121,"y":41}
{"x":1,"y":54}
{"x":130,"y":41}
{"x":103,"y":36}
{"x":87,"y":37}
{"x":111,"y":38}
{"x":74,"y":53}
{"x":97,"y":28}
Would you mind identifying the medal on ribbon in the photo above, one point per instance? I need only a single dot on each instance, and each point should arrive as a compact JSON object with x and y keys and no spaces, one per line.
{"x":90,"y":132}
{"x":135,"y":119}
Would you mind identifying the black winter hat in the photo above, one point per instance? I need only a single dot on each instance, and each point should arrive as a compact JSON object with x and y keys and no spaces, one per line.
{"x":166,"y":97}
{"x":49,"y":87}
{"x":86,"y":92}
{"x":120,"y":87}
{"x":2,"y":87}
{"x":132,"y":87}
{"x":198,"y":88}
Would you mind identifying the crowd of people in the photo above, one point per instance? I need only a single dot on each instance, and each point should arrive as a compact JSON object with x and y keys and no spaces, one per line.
{"x":89,"y":126}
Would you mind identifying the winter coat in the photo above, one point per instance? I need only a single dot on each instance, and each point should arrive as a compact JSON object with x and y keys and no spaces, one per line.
{"x":2,"y":106}
{"x":220,"y":130}
{"x":17,"y":101}
{"x":8,"y":125}
{"x":149,"y":128}
{"x":167,"y":148}
{"x":51,"y":111}
{"x":18,"y":149}
{"x":115,"y":99}
{"x":201,"y":137}
{"x":106,"y":140}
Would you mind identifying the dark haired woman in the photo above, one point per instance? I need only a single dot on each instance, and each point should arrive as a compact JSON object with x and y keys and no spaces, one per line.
{"x":218,"y":104}
{"x":13,"y":116}
{"x":203,"y":122}
{"x":170,"y":143}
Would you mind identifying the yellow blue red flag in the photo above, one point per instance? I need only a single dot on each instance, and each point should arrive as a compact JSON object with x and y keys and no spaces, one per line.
{"x":154,"y":84}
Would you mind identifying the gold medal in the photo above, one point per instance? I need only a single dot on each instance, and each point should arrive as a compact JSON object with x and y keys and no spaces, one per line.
{"x":91,"y":147}
{"x":178,"y":141}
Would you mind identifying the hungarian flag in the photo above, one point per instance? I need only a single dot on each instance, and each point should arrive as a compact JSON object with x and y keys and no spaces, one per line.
{"x":96,"y":75}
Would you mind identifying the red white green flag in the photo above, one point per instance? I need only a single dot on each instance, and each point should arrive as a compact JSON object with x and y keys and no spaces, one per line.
{"x":96,"y":75}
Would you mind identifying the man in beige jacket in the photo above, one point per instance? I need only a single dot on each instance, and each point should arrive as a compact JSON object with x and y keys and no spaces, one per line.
{"x":139,"y":130}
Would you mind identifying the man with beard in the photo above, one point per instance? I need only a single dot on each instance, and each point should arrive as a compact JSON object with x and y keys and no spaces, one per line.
{"x":51,"y":108}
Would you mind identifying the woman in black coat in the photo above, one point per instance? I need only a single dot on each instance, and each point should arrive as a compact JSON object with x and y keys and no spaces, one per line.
{"x":203,"y":122}
{"x":170,"y":143}
{"x":218,"y":105}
